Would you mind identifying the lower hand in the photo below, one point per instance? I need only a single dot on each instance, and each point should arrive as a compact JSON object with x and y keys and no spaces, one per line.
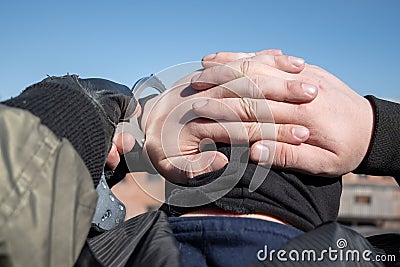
{"x":175,"y":136}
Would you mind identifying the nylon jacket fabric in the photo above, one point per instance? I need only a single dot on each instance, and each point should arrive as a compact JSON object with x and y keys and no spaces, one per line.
{"x":47,"y":194}
{"x":145,"y":240}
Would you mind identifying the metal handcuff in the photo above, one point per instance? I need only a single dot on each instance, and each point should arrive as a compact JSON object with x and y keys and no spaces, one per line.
{"x":142,"y":84}
{"x":110,"y":211}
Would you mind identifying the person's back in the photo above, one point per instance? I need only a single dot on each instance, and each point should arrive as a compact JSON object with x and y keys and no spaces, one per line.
{"x":232,"y":229}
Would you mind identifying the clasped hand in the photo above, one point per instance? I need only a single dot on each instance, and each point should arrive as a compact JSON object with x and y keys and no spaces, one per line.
{"x":293,"y":115}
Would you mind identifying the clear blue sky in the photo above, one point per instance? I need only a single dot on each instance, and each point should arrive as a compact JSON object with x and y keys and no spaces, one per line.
{"x":359,"y":41}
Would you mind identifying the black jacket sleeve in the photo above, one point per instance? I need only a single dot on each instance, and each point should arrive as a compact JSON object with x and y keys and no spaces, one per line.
{"x":383,"y":156}
{"x":69,"y":113}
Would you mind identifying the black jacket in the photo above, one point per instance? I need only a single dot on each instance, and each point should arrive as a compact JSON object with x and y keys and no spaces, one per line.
{"x":150,"y":234}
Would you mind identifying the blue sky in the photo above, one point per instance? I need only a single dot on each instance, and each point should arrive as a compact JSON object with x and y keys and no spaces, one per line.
{"x":358,"y":41}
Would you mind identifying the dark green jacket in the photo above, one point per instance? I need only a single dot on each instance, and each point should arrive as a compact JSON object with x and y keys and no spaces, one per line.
{"x":47,"y":194}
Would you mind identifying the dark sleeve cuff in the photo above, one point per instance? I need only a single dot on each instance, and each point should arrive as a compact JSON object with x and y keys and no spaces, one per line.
{"x":70,"y":114}
{"x":383,"y":156}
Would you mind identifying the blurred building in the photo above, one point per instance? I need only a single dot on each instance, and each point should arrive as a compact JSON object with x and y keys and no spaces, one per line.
{"x":140,"y":192}
{"x":370,"y":204}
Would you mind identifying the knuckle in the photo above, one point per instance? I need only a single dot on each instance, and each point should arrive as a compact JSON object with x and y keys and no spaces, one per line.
{"x":253,"y":85}
{"x":249,"y":108}
{"x":286,"y":157}
{"x":277,"y":61}
{"x":244,"y":66}
{"x":281,"y":132}
{"x":253,"y":130}
{"x":288,"y":85}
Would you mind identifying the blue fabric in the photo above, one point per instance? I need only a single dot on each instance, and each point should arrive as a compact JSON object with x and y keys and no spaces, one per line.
{"x":227,"y":241}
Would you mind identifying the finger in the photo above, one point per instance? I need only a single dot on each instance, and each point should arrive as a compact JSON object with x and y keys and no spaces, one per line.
{"x":284,"y":113}
{"x":225,"y":57}
{"x":262,"y":65}
{"x":260,"y":87}
{"x":202,"y":162}
{"x":124,"y":142}
{"x":244,"y":133}
{"x":182,"y":167}
{"x":235,"y":109}
{"x":303,"y":157}
{"x":286,"y":63}
{"x":252,"y":110}
{"x":113,"y":158}
{"x":272,"y":52}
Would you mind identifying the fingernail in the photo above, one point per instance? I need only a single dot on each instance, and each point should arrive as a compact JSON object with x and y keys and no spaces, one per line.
{"x":296,"y":61}
{"x":262,"y":152}
{"x":200,"y":104}
{"x":300,"y":132}
{"x":209,"y":57}
{"x":195,"y":78}
{"x":309,"y":89}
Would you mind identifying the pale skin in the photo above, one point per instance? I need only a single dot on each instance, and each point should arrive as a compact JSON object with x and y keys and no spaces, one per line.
{"x":175,"y":147}
{"x":180,"y":157}
{"x":331,"y":147}
{"x":340,"y":121}
{"x":326,"y":135}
